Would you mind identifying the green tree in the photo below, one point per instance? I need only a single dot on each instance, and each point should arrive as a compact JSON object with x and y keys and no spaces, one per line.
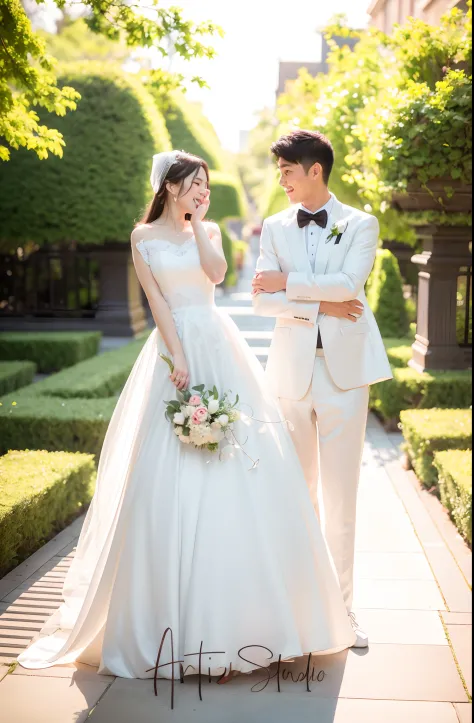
{"x":27,"y":71}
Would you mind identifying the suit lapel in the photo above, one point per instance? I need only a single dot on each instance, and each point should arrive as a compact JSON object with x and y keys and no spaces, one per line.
{"x":295,"y":239}
{"x":325,"y":248}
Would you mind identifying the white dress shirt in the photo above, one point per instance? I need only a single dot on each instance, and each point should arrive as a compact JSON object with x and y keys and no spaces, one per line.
{"x":314,"y":234}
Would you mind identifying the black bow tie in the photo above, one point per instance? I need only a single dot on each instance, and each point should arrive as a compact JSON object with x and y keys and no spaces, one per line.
{"x":304,"y":217}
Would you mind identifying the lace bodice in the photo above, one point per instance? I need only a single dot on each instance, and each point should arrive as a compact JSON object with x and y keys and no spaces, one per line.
{"x":178,"y":272}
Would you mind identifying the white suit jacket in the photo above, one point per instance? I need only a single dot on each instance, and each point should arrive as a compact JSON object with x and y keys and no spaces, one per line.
{"x":354,"y":351}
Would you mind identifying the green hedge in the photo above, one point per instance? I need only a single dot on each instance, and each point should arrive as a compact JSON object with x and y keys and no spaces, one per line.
{"x":399,"y":351}
{"x":385,"y":295}
{"x":411,"y":390}
{"x":227,"y":197}
{"x":455,"y":485}
{"x":434,"y":430}
{"x":49,"y":350}
{"x":191,"y":131}
{"x":101,"y":184}
{"x":52,"y":423}
{"x":101,"y":376}
{"x":69,"y":410}
{"x":227,"y":245}
{"x":15,"y":374}
{"x":40,"y":493}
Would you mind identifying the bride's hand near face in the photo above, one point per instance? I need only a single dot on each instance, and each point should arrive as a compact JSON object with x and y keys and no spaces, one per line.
{"x":209,"y":242}
{"x":200,"y":213}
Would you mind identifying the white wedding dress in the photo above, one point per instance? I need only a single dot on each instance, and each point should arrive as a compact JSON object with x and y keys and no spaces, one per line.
{"x":175,"y":537}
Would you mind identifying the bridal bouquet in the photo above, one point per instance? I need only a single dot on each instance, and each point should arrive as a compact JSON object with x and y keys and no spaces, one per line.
{"x":201,"y":417}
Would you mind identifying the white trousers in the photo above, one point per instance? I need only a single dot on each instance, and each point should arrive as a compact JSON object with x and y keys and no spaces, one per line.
{"x":329,"y":432}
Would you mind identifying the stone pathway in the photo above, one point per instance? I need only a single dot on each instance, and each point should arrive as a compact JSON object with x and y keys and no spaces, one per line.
{"x":412,"y":594}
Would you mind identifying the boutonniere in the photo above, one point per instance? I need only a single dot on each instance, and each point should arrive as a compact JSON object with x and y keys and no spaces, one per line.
{"x":337,"y":230}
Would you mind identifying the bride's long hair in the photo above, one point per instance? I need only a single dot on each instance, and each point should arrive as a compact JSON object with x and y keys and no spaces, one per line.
{"x":185,"y":165}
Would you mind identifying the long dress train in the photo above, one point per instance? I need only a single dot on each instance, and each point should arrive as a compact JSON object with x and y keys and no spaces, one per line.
{"x":176,"y":538}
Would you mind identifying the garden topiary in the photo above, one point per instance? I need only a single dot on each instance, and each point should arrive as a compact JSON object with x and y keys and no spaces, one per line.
{"x":99,"y":187}
{"x":385,"y":296}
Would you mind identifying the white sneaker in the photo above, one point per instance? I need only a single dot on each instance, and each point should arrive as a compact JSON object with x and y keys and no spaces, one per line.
{"x":362,"y":638}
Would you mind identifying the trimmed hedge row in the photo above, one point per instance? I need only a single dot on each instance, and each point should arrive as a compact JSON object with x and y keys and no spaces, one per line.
{"x":455,"y":485}
{"x":52,"y":423}
{"x":40,"y":493}
{"x":434,"y":430}
{"x":101,"y":376}
{"x":49,"y":350}
{"x":411,"y":390}
{"x":15,"y":374}
{"x":70,"y":410}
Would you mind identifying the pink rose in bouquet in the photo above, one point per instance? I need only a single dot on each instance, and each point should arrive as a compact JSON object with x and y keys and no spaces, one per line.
{"x":195,"y":400}
{"x":199,"y":416}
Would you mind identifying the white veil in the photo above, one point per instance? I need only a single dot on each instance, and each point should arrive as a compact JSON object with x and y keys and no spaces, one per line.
{"x":162,"y":163}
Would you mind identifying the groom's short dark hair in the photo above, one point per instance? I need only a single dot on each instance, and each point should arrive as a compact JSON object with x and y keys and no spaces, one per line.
{"x":307,"y":148}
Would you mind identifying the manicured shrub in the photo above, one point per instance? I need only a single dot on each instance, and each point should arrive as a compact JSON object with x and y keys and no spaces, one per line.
{"x":190,"y":131}
{"x":410,"y":390}
{"x":69,"y":410}
{"x":385,"y":296}
{"x":49,"y":350}
{"x":227,"y":197}
{"x":15,"y":374}
{"x":432,"y":430}
{"x":231,"y":276}
{"x":52,"y":423}
{"x":40,"y":493}
{"x":399,"y":351}
{"x":98,"y":188}
{"x":101,"y":376}
{"x":455,"y":485}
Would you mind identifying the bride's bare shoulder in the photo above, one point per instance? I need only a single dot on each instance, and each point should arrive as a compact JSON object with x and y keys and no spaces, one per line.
{"x":139,"y":233}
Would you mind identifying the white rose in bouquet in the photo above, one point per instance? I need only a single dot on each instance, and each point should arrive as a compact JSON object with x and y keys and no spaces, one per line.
{"x":223,"y":420}
{"x":213,"y":406}
{"x":178,"y":431}
{"x":217,"y":435}
{"x":179,"y":418}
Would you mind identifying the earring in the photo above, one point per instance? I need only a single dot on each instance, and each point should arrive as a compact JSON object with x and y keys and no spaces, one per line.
{"x":175,"y":198}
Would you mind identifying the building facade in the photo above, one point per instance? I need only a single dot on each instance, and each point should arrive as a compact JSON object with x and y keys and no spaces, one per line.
{"x":289,"y":70}
{"x":385,"y":13}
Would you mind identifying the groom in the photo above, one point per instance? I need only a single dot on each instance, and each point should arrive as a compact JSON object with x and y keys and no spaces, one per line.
{"x":315,"y":258}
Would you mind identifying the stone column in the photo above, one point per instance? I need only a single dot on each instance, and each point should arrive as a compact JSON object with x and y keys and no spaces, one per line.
{"x":445,"y":251}
{"x":120,"y":311}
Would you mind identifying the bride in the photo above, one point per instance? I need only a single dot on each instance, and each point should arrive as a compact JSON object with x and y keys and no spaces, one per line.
{"x":214,"y":548}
